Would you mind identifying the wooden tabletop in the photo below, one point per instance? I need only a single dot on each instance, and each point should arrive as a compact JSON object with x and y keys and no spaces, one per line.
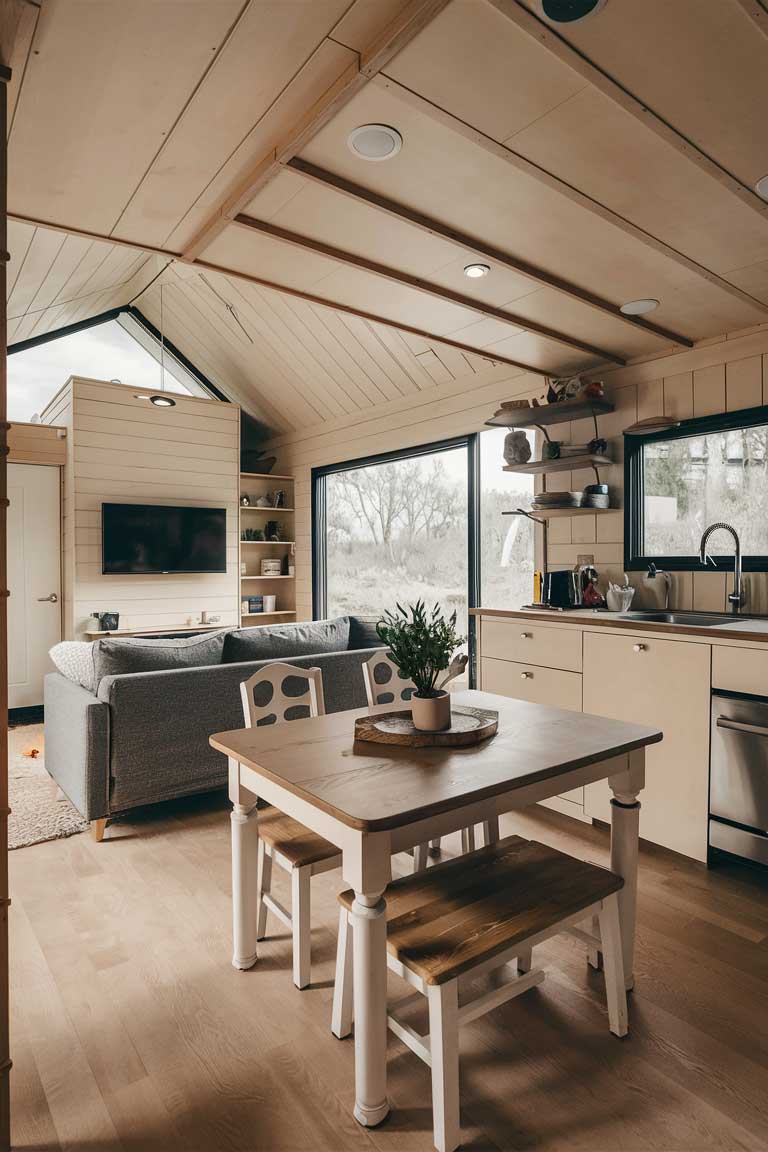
{"x":374,"y":787}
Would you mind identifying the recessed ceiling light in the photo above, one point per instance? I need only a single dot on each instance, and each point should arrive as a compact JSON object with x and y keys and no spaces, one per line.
{"x":638,"y":307}
{"x":570,"y":11}
{"x":163,"y":401}
{"x":375,"y":142}
{"x":762,"y":187}
{"x":475,"y":271}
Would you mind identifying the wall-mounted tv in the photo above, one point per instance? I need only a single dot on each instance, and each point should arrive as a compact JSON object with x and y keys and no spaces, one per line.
{"x":159,"y":538}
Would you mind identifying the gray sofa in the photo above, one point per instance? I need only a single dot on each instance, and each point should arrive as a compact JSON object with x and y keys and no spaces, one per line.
{"x":143,"y":736}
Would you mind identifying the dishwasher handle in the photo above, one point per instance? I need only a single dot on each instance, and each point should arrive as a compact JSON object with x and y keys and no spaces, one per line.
{"x":741,"y":726}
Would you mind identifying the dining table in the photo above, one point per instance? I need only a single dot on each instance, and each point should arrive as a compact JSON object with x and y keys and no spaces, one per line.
{"x":373,"y":800}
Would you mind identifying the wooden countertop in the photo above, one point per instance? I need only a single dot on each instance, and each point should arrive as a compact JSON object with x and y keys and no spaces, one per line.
{"x":373,"y":787}
{"x":740,"y":629}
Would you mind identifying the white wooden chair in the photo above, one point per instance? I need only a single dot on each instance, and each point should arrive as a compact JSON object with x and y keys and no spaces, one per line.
{"x":385,"y":684}
{"x":277,"y":693}
{"x":474,"y":915}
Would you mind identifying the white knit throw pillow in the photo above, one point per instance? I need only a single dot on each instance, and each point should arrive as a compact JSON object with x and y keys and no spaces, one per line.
{"x":74,"y":659}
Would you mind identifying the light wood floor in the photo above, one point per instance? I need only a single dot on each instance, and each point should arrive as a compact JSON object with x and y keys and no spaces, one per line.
{"x":131,"y":1030}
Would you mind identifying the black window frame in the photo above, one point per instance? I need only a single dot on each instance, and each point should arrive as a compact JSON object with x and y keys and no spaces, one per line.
{"x":471,"y":442}
{"x":634,"y":558}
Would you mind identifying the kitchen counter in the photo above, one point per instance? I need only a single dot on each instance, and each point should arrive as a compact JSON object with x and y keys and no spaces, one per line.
{"x":740,"y":629}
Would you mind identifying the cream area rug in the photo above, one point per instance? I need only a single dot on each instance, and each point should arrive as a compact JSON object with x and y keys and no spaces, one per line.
{"x":38,"y":811}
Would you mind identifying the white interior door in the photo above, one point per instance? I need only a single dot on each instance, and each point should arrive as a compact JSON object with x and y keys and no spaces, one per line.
{"x":34,"y":579}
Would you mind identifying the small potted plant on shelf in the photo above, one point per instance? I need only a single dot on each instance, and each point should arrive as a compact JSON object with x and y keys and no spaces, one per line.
{"x":421,"y":645}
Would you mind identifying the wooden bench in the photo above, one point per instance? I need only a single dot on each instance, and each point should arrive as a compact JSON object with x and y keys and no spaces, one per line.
{"x":473,"y":915}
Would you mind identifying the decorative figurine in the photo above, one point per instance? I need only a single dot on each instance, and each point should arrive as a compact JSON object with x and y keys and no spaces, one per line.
{"x":517,"y":448}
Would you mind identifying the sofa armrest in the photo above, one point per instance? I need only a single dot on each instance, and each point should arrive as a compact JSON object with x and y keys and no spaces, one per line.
{"x":77,"y":744}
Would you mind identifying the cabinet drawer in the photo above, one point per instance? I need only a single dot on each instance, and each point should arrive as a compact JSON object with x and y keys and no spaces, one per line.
{"x":548,"y":646}
{"x":528,"y":682}
{"x":740,"y":670}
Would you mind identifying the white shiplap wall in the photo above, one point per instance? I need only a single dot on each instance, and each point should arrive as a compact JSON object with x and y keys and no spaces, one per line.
{"x":715,"y":376}
{"x":122,"y":449}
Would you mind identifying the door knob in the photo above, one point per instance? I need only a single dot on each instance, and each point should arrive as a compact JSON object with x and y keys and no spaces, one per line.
{"x":52,"y":599}
{"x":525,"y":635}
{"x":639,"y":647}
{"x":526,"y":675}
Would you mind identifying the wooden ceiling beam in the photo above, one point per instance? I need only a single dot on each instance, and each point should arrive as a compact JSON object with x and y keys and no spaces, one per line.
{"x":406,"y":25}
{"x":471,"y":349}
{"x":479,"y":247}
{"x":349,"y":310}
{"x":396,"y":276}
{"x":543,"y":176}
{"x":544,"y":34}
{"x":756,"y":13}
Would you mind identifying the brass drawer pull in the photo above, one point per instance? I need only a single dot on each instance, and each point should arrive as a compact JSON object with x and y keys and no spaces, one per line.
{"x":526,"y":675}
{"x":525,"y":635}
{"x":639,"y":647}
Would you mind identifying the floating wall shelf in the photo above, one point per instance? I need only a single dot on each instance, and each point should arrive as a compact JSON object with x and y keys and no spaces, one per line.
{"x":559,"y":464}
{"x":546,"y":414}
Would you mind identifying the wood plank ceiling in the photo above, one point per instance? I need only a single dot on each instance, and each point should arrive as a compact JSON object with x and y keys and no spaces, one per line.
{"x":200,"y":166}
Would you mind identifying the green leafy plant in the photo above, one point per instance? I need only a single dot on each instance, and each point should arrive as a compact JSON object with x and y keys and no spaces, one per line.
{"x":421,"y":643}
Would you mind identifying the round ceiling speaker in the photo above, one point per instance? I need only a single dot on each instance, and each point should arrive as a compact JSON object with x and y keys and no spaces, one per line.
{"x":570,"y":11}
{"x":375,"y":142}
{"x":639,"y":307}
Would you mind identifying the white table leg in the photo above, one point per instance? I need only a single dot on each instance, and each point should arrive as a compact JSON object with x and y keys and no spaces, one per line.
{"x":245,"y":883}
{"x":625,"y":842}
{"x":369,"y":964}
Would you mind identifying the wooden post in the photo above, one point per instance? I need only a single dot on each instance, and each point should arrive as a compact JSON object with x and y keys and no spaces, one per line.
{"x":5,"y":1057}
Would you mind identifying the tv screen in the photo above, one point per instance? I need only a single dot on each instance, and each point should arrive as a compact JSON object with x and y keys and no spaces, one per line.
{"x":158,"y":538}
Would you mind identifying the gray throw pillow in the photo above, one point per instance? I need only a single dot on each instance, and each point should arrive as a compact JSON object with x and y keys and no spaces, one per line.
{"x":363,"y":634}
{"x":281,"y":641}
{"x":116,"y":656}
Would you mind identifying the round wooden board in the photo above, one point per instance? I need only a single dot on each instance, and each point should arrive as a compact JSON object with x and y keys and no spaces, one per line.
{"x":468,"y":726}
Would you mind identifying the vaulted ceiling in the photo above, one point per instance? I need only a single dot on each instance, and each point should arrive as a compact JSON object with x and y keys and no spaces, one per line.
{"x":194,"y":158}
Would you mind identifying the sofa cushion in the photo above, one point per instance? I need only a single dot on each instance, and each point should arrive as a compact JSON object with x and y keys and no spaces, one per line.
{"x":116,"y":656}
{"x":281,"y":641}
{"x":363,"y":634}
{"x":74,"y":659}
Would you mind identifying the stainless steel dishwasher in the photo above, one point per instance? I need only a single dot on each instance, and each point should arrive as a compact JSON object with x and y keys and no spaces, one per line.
{"x":738,"y":780}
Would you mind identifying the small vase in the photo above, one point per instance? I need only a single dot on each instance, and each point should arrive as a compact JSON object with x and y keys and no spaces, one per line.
{"x":431,"y":713}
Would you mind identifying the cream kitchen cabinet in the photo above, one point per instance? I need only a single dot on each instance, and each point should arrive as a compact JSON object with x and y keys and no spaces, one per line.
{"x":539,"y":685}
{"x":664,"y":683}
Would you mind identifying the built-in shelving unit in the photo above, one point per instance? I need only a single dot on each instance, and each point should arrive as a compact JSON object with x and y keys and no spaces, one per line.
{"x":257,"y":485}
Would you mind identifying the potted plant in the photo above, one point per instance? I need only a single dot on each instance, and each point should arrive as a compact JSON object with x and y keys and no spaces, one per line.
{"x":421,"y":645}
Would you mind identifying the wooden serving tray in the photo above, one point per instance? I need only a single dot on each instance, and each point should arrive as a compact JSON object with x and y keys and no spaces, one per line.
{"x":468,"y":726}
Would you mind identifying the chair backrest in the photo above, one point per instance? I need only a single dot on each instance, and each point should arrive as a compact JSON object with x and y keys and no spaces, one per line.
{"x":281,"y":692}
{"x":384,"y":682}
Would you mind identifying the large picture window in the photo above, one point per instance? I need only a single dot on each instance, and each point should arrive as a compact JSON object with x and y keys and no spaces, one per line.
{"x":423,"y":523}
{"x":681,"y":480}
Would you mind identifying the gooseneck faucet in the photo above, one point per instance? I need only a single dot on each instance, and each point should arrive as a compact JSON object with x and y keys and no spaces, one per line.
{"x":734,"y":598}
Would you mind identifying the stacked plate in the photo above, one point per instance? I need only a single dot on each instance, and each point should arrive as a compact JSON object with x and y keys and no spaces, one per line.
{"x":545,"y":500}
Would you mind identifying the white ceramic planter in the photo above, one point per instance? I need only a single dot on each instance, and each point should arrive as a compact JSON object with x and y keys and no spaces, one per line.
{"x":431,"y":713}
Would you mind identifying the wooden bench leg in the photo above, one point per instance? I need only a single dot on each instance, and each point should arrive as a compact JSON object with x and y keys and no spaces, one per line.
{"x":341,"y":1017}
{"x":434,"y":846}
{"x":301,"y":924}
{"x":613,"y":964}
{"x":420,"y":855}
{"x":468,"y":839}
{"x":490,"y":831}
{"x":443,"y":1003}
{"x":265,"y":886}
{"x":524,"y":961}
{"x":98,"y":827}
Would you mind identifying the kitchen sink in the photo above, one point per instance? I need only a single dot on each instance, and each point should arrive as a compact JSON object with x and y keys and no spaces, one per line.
{"x":693,"y":619}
